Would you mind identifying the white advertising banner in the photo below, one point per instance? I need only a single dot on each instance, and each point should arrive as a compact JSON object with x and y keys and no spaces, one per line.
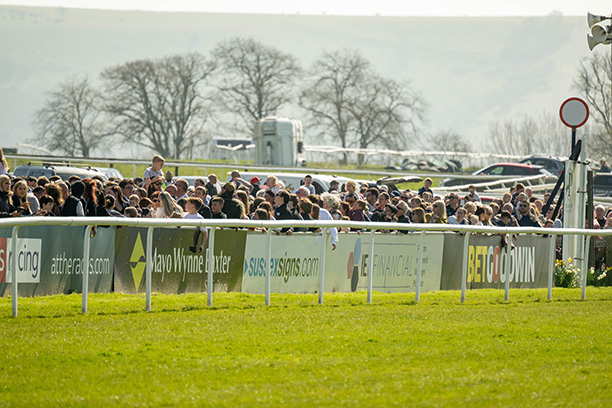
{"x":395,"y":262}
{"x":296,"y":259}
{"x":28,"y":260}
{"x":294,"y":263}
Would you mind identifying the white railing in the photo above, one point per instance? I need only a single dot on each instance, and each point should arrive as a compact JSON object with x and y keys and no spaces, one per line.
{"x":89,"y":222}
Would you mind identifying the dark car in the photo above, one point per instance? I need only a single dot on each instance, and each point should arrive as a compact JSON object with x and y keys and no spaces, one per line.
{"x":602,"y":184}
{"x":29,"y":170}
{"x":499,"y":169}
{"x":554,"y":165}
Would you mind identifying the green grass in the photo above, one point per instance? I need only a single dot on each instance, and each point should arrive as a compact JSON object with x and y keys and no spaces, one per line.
{"x":527,"y":352}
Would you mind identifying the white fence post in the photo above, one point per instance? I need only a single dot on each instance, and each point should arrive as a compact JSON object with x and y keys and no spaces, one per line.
{"x":149,"y":267}
{"x":211,"y":266}
{"x":322,"y":265}
{"x":371,"y":266}
{"x":466,"y":248}
{"x":268,"y":264}
{"x":14,"y":283}
{"x":507,"y":269}
{"x":552,"y":260}
{"x":417,"y":290}
{"x":585,"y":265}
{"x":85,"y":271}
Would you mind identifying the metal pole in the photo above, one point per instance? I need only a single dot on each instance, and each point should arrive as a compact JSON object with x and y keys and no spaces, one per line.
{"x":14,"y":284}
{"x":371,"y":266}
{"x":85,"y":278}
{"x":417,"y":290}
{"x":585,"y":265}
{"x":507,"y":269}
{"x":466,"y":249}
{"x":590,"y":215}
{"x":211,"y":266}
{"x":268,"y":264}
{"x":552,"y":260}
{"x":322,"y":265}
{"x":149,"y":267}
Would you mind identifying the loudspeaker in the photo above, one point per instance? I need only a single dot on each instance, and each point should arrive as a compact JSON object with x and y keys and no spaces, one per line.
{"x":598,"y":35}
{"x":592,"y":19}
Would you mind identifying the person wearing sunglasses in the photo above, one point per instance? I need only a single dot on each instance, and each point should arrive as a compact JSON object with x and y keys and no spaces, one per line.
{"x":525,"y":216}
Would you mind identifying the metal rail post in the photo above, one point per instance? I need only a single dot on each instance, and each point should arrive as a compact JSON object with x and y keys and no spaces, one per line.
{"x":149,"y":267}
{"x":585,"y":264}
{"x":552,"y":259}
{"x":85,"y":277}
{"x":466,"y":248}
{"x":268,"y":264}
{"x":371,"y":266}
{"x":507,"y":269}
{"x":211,"y":266}
{"x":14,"y":283}
{"x":322,"y":265}
{"x":417,"y":290}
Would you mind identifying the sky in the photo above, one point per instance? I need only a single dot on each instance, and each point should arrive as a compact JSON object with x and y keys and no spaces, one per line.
{"x":344,"y":7}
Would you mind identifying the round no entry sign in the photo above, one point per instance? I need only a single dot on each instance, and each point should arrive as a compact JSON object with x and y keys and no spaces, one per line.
{"x":574,"y":112}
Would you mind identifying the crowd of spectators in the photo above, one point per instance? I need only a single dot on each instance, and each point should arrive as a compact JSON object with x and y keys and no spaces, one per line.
{"x":159,"y":195}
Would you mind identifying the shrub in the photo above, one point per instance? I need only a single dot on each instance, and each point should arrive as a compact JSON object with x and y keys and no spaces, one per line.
{"x":566,"y":274}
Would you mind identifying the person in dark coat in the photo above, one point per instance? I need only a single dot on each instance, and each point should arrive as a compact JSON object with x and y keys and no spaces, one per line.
{"x":73,"y":205}
{"x":231,"y":206}
{"x":6,"y":206}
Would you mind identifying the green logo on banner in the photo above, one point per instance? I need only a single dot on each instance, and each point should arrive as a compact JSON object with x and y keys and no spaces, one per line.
{"x":138,"y":262}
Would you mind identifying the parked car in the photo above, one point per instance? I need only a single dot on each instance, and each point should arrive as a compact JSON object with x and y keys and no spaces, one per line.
{"x":47,"y":170}
{"x":109,"y":172}
{"x":503,"y":170}
{"x":191,"y":179}
{"x":554,"y":165}
{"x":602,"y":184}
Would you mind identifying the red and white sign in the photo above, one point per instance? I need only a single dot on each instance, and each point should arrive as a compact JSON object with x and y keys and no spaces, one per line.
{"x":574,"y":112}
{"x":28,"y":260}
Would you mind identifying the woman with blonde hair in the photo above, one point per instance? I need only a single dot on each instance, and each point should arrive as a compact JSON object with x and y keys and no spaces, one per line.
{"x":351,"y":188}
{"x":272,"y":184}
{"x":439,"y":213}
{"x":168,"y":208}
{"x":20,"y":197}
{"x":6,"y":207}
{"x":4,"y":167}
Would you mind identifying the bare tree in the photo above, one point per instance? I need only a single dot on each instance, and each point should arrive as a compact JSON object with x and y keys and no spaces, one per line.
{"x":446,"y":141}
{"x":70,"y":121}
{"x":330,"y":88}
{"x":159,"y":104}
{"x":385,"y":113}
{"x":594,"y":85}
{"x":544,"y":134}
{"x":347,"y":101}
{"x":254,"y":80}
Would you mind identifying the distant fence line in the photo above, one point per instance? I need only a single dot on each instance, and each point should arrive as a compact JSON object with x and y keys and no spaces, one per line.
{"x":272,"y":169}
{"x":214,"y":225}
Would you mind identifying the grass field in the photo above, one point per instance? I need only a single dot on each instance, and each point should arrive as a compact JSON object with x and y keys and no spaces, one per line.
{"x":527,"y":352}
